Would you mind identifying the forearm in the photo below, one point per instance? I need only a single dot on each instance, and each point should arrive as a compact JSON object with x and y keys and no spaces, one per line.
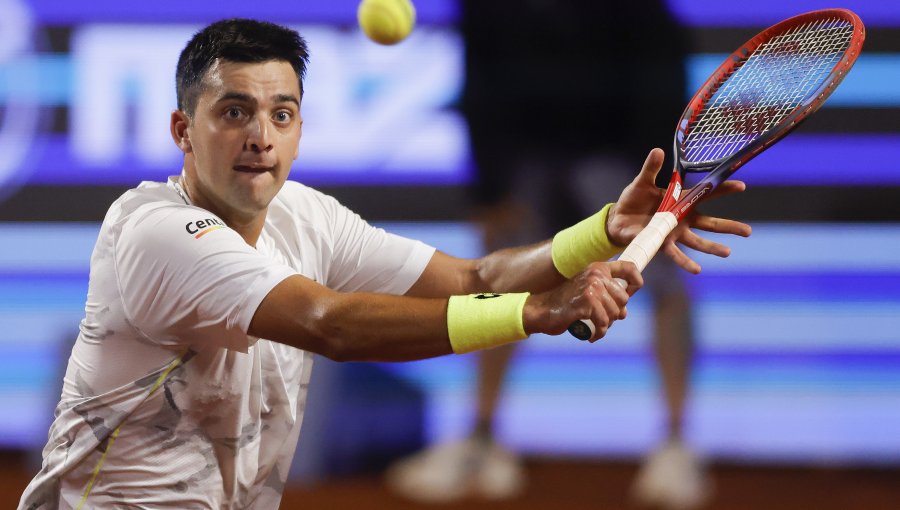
{"x":534,"y":268}
{"x":522,"y":269}
{"x":542,"y":266}
{"x":379,"y":327}
{"x":352,"y":326}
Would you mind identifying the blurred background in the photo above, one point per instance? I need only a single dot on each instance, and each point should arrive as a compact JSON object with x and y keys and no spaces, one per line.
{"x":798,"y":362}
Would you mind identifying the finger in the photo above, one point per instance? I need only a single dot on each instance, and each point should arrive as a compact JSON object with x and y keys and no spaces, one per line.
{"x":678,"y":257}
{"x":720,"y":225}
{"x":588,"y":302}
{"x":651,"y":167}
{"x":600,"y":318}
{"x":702,"y":244}
{"x":610,"y":306}
{"x":728,"y":188}
{"x":618,"y":293}
{"x":615,"y":300}
{"x":627,"y":271}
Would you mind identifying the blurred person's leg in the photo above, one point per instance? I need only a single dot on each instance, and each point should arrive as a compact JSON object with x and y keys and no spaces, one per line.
{"x":492,"y":367}
{"x":673,"y":344}
{"x":474,"y":466}
{"x":478,"y":465}
{"x":672,"y":476}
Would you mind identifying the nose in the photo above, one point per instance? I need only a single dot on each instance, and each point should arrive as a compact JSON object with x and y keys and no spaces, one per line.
{"x":258,"y":135}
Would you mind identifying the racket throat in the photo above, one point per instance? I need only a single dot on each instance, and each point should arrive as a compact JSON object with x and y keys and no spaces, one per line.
{"x":673,"y":192}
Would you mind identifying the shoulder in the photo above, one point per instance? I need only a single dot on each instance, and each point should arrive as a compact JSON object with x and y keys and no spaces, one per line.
{"x":147,"y":199}
{"x":294,"y":195}
{"x":306,"y":206}
{"x":153,"y":214}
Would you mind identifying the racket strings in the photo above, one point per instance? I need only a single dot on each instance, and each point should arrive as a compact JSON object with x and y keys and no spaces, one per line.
{"x":767,"y":87}
{"x":750,"y":105}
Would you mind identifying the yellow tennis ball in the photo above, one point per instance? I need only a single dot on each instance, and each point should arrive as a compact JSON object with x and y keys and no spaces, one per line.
{"x":386,"y":21}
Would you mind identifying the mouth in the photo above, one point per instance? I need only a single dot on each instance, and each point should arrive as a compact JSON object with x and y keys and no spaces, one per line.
{"x":253,"y":168}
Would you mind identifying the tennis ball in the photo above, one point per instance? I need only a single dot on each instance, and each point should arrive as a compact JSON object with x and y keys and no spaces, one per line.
{"x":386,"y":21}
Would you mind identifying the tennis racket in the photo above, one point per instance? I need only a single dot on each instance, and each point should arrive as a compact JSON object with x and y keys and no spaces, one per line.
{"x":758,"y":95}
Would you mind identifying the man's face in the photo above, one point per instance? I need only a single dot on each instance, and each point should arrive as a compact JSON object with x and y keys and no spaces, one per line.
{"x":243,"y":136}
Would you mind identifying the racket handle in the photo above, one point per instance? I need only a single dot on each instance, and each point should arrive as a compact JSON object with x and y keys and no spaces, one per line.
{"x":639,"y":252}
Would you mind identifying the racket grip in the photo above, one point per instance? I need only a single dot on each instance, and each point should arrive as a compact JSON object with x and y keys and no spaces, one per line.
{"x":639,"y":252}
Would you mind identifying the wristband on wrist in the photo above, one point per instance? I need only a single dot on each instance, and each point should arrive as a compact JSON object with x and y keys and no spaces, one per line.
{"x":585,"y":242}
{"x":480,"y":321}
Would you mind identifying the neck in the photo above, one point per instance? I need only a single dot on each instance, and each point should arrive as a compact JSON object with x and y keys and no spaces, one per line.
{"x":248,"y":226}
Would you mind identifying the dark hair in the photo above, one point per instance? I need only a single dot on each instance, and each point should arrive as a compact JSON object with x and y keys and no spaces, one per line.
{"x":235,"y":40}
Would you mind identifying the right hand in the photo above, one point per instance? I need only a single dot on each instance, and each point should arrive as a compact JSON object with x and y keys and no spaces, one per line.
{"x":592,"y":294}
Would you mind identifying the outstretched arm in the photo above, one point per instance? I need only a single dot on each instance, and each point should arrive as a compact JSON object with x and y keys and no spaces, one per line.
{"x":375,"y":327}
{"x":379,"y":327}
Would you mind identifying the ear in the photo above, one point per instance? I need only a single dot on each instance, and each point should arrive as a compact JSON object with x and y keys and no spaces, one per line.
{"x":178,"y":126}
{"x":297,"y":149}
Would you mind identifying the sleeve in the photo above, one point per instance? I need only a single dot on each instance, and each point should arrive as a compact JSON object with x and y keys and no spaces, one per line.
{"x":187,"y":279}
{"x":369,"y":259}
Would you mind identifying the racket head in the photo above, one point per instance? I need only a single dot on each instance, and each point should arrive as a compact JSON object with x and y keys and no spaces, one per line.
{"x":762,"y":91}
{"x":753,"y":124}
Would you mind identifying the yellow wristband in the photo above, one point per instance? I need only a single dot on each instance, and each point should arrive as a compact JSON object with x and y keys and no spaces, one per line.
{"x":583,"y":243}
{"x":480,"y":321}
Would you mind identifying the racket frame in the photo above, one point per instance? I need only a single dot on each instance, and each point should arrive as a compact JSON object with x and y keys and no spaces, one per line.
{"x":675,"y":204}
{"x":723,"y":167}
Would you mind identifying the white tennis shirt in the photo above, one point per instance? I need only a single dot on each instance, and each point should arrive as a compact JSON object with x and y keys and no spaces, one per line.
{"x":167,"y":402}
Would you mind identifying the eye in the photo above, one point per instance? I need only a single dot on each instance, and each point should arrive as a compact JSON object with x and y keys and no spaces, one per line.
{"x":233,"y":112}
{"x":283,"y":116}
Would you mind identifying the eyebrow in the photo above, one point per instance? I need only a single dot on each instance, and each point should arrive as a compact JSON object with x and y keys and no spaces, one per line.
{"x":245,"y":98}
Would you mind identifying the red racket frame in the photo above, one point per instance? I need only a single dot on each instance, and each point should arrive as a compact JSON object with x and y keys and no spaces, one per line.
{"x":675,"y":205}
{"x":726,"y":166}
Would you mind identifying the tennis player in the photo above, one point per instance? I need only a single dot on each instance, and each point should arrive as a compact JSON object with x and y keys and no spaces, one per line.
{"x":187,"y":383}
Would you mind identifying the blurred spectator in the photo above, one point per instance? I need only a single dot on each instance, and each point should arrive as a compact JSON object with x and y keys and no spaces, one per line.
{"x":564,"y":98}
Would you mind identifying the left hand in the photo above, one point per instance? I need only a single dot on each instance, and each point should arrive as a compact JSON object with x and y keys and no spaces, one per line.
{"x":639,"y":201}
